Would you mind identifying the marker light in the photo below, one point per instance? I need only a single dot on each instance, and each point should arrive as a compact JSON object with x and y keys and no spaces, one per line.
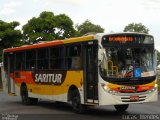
{"x":108,"y":90}
{"x":156,"y":85}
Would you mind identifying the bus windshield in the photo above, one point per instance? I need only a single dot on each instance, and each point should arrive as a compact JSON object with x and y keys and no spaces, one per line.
{"x":127,"y":62}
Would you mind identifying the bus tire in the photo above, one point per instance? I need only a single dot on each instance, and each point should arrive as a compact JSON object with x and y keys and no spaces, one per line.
{"x":76,"y":102}
{"x":121,"y":108}
{"x":25,"y":99}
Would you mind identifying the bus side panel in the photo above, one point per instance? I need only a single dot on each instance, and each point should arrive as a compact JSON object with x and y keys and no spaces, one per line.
{"x":46,"y":90}
{"x":58,"y":92}
{"x":8,"y":84}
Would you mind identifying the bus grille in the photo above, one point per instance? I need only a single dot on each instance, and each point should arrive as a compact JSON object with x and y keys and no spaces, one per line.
{"x":127,"y":99}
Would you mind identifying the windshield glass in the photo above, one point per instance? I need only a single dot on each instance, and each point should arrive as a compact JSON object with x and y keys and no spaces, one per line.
{"x":127,"y":62}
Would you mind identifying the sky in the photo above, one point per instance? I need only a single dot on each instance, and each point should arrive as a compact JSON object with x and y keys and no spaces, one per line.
{"x":112,"y":15}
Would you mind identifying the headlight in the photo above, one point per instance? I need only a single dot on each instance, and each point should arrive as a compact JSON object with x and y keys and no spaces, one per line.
{"x":156,"y":85}
{"x":104,"y":86}
{"x":108,"y":90}
{"x":152,"y":90}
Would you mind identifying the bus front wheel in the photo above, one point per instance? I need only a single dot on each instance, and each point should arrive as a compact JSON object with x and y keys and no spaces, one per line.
{"x":76,"y":102}
{"x":121,"y":108}
{"x":25,"y":99}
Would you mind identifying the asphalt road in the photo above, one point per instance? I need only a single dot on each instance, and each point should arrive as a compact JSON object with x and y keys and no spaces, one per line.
{"x":12,"y":108}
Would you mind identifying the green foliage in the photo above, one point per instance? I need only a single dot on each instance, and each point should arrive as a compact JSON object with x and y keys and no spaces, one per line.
{"x":88,"y":27}
{"x":134,"y":27}
{"x":158,"y":57}
{"x":9,"y":36}
{"x":48,"y":27}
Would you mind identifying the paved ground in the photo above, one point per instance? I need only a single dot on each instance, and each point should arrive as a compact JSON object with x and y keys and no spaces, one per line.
{"x":10,"y":106}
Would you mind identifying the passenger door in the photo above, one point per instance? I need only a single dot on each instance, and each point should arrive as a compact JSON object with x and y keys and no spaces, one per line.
{"x":91,"y":78}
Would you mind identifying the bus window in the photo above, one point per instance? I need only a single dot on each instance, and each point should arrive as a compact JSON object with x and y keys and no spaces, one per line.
{"x":56,"y":58}
{"x":30,"y":60}
{"x":122,"y":62}
{"x":42,"y":58}
{"x":12,"y":62}
{"x":20,"y":60}
{"x":73,"y":57}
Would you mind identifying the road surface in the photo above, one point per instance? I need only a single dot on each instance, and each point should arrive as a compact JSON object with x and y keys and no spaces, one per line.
{"x":11,"y":107}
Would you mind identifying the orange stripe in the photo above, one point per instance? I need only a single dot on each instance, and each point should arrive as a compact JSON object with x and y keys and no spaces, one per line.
{"x":24,"y":76}
{"x":53,"y":43}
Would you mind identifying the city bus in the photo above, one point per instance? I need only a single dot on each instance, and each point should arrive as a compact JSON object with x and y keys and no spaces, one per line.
{"x":102,"y":69}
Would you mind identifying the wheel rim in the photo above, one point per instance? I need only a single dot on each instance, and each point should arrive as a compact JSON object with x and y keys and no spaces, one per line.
{"x":23,"y":99}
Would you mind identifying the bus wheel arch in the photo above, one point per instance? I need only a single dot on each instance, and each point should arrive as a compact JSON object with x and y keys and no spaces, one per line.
{"x":70,"y":92}
{"x":26,"y":100}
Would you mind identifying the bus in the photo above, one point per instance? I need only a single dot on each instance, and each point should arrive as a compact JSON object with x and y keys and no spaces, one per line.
{"x":102,"y":69}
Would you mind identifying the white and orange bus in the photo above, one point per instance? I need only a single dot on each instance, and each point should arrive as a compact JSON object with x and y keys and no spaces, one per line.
{"x":103,"y":69}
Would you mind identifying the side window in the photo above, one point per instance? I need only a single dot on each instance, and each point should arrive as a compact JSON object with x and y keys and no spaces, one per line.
{"x":20,"y":61}
{"x":9,"y":57}
{"x":30,"y":60}
{"x":57,"y":58}
{"x":42,"y":58}
{"x":73,"y":57}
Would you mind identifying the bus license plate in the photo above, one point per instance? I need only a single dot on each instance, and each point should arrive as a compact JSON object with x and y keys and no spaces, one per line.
{"x":134,"y":98}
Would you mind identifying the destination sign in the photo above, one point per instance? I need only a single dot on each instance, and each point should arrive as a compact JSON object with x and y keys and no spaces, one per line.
{"x":121,"y":39}
{"x":127,"y":38}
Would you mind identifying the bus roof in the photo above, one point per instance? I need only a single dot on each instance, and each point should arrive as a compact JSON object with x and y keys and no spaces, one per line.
{"x":97,"y":36}
{"x":50,"y":43}
{"x":138,"y":33}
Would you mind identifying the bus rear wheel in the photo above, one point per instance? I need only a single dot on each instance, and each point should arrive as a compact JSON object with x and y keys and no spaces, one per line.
{"x":121,"y":108}
{"x":25,"y":99}
{"x":76,"y":102}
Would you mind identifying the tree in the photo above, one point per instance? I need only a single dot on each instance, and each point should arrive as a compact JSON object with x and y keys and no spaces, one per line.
{"x":158,"y":57}
{"x":9,"y":36}
{"x":48,"y":27}
{"x":87,"y":27}
{"x":136,"y":27}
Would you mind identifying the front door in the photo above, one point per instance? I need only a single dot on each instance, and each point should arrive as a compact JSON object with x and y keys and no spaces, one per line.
{"x":91,"y":79}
